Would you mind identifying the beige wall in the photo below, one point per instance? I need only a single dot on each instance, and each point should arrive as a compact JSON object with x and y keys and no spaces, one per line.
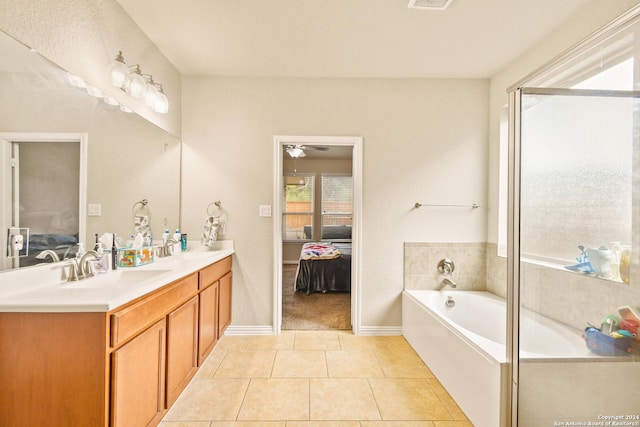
{"x":425,"y":140}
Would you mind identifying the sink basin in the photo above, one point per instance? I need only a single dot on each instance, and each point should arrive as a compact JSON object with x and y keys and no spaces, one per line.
{"x":122,"y":277}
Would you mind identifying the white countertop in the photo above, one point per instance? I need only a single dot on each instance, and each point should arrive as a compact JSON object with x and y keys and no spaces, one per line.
{"x":44,"y":288}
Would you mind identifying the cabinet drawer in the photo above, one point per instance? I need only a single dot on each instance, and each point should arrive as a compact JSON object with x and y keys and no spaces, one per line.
{"x":135,"y":318}
{"x":212,"y":273}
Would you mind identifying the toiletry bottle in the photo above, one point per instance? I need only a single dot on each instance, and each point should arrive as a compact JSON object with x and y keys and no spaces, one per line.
{"x":96,"y":246}
{"x":114,"y":254}
{"x":616,"y":249}
{"x":625,"y":264}
{"x":177,"y":238}
{"x":165,"y":236}
{"x":101,"y":264}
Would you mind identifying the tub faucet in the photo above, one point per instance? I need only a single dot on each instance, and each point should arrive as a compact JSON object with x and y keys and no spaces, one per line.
{"x":446,"y":267}
{"x":446,"y":281}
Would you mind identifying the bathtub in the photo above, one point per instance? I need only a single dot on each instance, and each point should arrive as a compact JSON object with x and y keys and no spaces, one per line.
{"x":464,"y":346}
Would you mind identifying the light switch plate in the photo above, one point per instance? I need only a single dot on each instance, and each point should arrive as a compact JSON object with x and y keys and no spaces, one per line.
{"x":94,"y":209}
{"x":265,"y":211}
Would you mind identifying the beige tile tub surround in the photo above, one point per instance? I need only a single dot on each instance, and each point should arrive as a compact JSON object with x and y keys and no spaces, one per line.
{"x":421,"y":265}
{"x":314,"y":379}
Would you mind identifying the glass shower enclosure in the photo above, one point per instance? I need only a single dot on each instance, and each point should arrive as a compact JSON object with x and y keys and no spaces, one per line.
{"x":578,"y":288}
{"x":574,"y":235}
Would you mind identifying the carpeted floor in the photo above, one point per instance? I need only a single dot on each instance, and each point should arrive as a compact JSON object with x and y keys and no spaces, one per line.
{"x":312,"y":312}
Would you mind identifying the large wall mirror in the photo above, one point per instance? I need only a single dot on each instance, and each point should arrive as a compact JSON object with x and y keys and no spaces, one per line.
{"x":72,"y":165}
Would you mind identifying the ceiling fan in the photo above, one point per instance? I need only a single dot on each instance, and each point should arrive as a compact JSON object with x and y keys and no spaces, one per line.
{"x":296,"y":151}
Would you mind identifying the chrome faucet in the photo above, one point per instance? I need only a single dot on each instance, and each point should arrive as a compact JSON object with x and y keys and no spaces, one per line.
{"x":447,"y":281}
{"x":446,"y":267}
{"x":167,"y":247}
{"x":48,"y":253}
{"x":73,"y":270}
{"x":85,"y":263}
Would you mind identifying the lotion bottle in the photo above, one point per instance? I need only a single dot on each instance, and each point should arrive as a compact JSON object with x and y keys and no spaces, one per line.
{"x":177,"y":237}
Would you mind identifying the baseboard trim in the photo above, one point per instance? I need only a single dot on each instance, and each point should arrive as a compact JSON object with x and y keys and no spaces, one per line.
{"x":268,"y":330}
{"x":380,"y":330}
{"x":249,"y":330}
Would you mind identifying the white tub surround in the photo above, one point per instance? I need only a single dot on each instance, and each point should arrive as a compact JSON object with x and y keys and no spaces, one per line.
{"x":464,"y":346}
{"x":45,"y":289}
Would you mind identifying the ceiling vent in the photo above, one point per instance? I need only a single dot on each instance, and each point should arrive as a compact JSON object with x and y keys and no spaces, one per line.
{"x":429,"y":4}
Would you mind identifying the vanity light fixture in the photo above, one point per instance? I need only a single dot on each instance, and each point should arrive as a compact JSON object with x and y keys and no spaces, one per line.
{"x":131,"y":80}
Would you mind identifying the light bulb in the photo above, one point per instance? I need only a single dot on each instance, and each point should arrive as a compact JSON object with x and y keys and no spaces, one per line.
{"x":119,"y":71}
{"x":162,"y":103}
{"x":151,"y":95}
{"x":136,"y":85}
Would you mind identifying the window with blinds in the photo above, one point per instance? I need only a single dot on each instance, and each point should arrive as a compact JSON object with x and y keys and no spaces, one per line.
{"x":337,"y":207}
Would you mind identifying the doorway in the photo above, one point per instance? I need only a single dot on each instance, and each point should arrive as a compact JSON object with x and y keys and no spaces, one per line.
{"x":352,"y":144}
{"x":44,"y":192}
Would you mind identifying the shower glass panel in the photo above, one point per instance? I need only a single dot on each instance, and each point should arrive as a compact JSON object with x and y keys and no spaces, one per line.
{"x":579,"y":213}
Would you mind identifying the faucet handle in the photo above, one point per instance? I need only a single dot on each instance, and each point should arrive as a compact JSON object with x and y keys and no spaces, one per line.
{"x":446,"y":266}
{"x":73,"y":270}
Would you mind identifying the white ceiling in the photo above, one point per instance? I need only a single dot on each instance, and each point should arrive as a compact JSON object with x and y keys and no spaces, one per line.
{"x":346,"y":38}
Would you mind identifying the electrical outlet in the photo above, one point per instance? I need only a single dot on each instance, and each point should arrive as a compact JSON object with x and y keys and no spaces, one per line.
{"x":17,"y":242}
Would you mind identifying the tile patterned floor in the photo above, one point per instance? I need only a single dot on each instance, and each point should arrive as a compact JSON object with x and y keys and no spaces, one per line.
{"x":314,"y":379}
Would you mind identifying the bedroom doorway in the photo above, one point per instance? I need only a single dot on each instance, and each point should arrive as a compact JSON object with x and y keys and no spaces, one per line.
{"x":304,"y":165}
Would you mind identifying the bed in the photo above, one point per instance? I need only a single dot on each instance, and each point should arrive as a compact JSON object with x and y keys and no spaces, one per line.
{"x":324,"y":267}
{"x":63,"y":245}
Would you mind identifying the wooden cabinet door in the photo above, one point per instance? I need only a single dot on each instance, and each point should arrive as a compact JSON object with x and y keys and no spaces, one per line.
{"x":224,"y":306}
{"x":208,"y":331}
{"x":138,"y":379}
{"x":182,"y":348}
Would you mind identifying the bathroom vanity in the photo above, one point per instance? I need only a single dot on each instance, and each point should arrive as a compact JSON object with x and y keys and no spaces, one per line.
{"x":113,"y":350}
